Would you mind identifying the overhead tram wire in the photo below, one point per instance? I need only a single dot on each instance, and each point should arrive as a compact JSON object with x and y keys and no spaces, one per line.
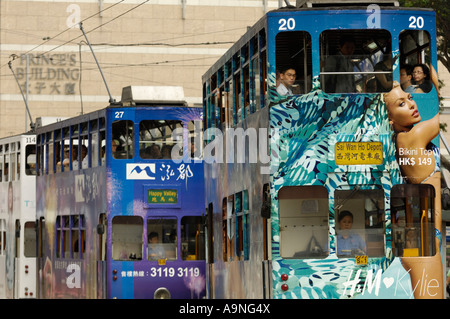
{"x":70,"y":28}
{"x":99,"y":26}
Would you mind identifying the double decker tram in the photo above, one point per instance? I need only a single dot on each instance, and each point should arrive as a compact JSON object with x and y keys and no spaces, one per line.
{"x":17,"y":216}
{"x":120,"y":199}
{"x":322,"y":156}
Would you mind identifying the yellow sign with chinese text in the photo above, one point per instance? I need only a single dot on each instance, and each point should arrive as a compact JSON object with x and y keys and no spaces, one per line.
{"x":358,"y":153}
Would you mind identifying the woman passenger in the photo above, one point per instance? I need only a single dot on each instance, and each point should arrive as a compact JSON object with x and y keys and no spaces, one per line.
{"x":422,"y":77}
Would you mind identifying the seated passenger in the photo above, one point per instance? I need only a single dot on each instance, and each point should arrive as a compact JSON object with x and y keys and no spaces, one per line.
{"x":155,"y":250}
{"x":422,"y":77}
{"x":348,"y":243}
{"x":287,"y":77}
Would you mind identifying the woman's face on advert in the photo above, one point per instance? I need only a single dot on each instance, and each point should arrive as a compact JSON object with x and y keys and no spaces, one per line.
{"x":402,"y":109}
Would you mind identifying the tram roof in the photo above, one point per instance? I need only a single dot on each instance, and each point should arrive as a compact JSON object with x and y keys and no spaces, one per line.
{"x":253,"y":30}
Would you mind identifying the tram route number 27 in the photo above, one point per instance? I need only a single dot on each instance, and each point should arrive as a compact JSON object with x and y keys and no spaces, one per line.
{"x":174,"y":272}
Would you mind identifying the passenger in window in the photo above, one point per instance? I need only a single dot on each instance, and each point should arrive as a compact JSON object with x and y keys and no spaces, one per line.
{"x":155,"y":250}
{"x":153,"y":152}
{"x":422,"y":77}
{"x":166,"y":151}
{"x":384,"y":80}
{"x":341,"y":83}
{"x":115,"y":146}
{"x":84,"y":158}
{"x":406,"y":80}
{"x":287,"y":78}
{"x":348,"y":242}
{"x":371,"y":85}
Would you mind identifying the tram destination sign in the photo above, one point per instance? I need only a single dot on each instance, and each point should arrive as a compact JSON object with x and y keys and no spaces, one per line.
{"x":162,"y":196}
{"x":358,"y":153}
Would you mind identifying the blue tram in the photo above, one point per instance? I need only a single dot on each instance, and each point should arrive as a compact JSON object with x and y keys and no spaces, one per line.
{"x":322,"y":156}
{"x":120,"y":200}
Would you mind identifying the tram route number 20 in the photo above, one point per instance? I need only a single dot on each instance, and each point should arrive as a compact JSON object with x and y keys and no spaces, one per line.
{"x":286,"y":24}
{"x":174,"y":272}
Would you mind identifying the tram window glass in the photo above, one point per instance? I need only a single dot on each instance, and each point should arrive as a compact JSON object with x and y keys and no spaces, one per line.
{"x":412,"y":213}
{"x":241,"y":207}
{"x":415,"y":73}
{"x":162,"y":239}
{"x":95,"y":148}
{"x":293,"y":62}
{"x":359,"y":222}
{"x":13,"y":166}
{"x":225,"y":243}
{"x":30,"y":239}
{"x":18,"y":165}
{"x":30,"y":160}
{"x":6,"y":168}
{"x":78,"y":240}
{"x":192,"y":238}
{"x":159,"y":139}
{"x":195,"y":139}
{"x":356,"y":61}
{"x":127,"y":234}
{"x":123,"y":139}
{"x":2,"y":237}
{"x":303,"y":224}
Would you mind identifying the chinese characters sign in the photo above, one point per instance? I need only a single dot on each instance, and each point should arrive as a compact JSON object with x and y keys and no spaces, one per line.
{"x":358,"y":153}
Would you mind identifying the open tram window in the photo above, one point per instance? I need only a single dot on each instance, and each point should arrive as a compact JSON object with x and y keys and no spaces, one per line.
{"x":158,"y":139}
{"x":303,"y":222}
{"x":412,"y":213}
{"x":127,"y":238}
{"x":123,"y":139}
{"x":356,"y":61}
{"x":293,"y":62}
{"x":30,"y":160}
{"x":359,"y":222}
{"x":162,"y":239}
{"x":415,"y":70}
{"x":192,"y":238}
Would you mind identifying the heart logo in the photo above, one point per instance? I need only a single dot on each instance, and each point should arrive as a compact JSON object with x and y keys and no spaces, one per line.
{"x":388,"y":281}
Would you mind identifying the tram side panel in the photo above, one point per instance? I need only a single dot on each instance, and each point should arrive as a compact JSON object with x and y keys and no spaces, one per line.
{"x":71,"y":204}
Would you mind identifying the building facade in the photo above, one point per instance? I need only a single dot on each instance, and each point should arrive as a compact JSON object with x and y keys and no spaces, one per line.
{"x":136,"y":42}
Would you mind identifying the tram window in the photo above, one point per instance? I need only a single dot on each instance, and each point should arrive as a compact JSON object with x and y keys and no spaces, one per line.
{"x":123,"y":139}
{"x":356,"y":61}
{"x":293,"y":62}
{"x":225,"y":240}
{"x":159,"y":139}
{"x":30,"y":160}
{"x":6,"y":168}
{"x":95,"y":149}
{"x":30,"y":239}
{"x":2,"y":237}
{"x":415,"y":72}
{"x":195,"y":139}
{"x":412,"y":213}
{"x":303,"y":222}
{"x":13,"y":166}
{"x":192,"y":238}
{"x":162,"y":239}
{"x":242,"y":210}
{"x":127,"y":234}
{"x":103,"y":147}
{"x":359,"y":222}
